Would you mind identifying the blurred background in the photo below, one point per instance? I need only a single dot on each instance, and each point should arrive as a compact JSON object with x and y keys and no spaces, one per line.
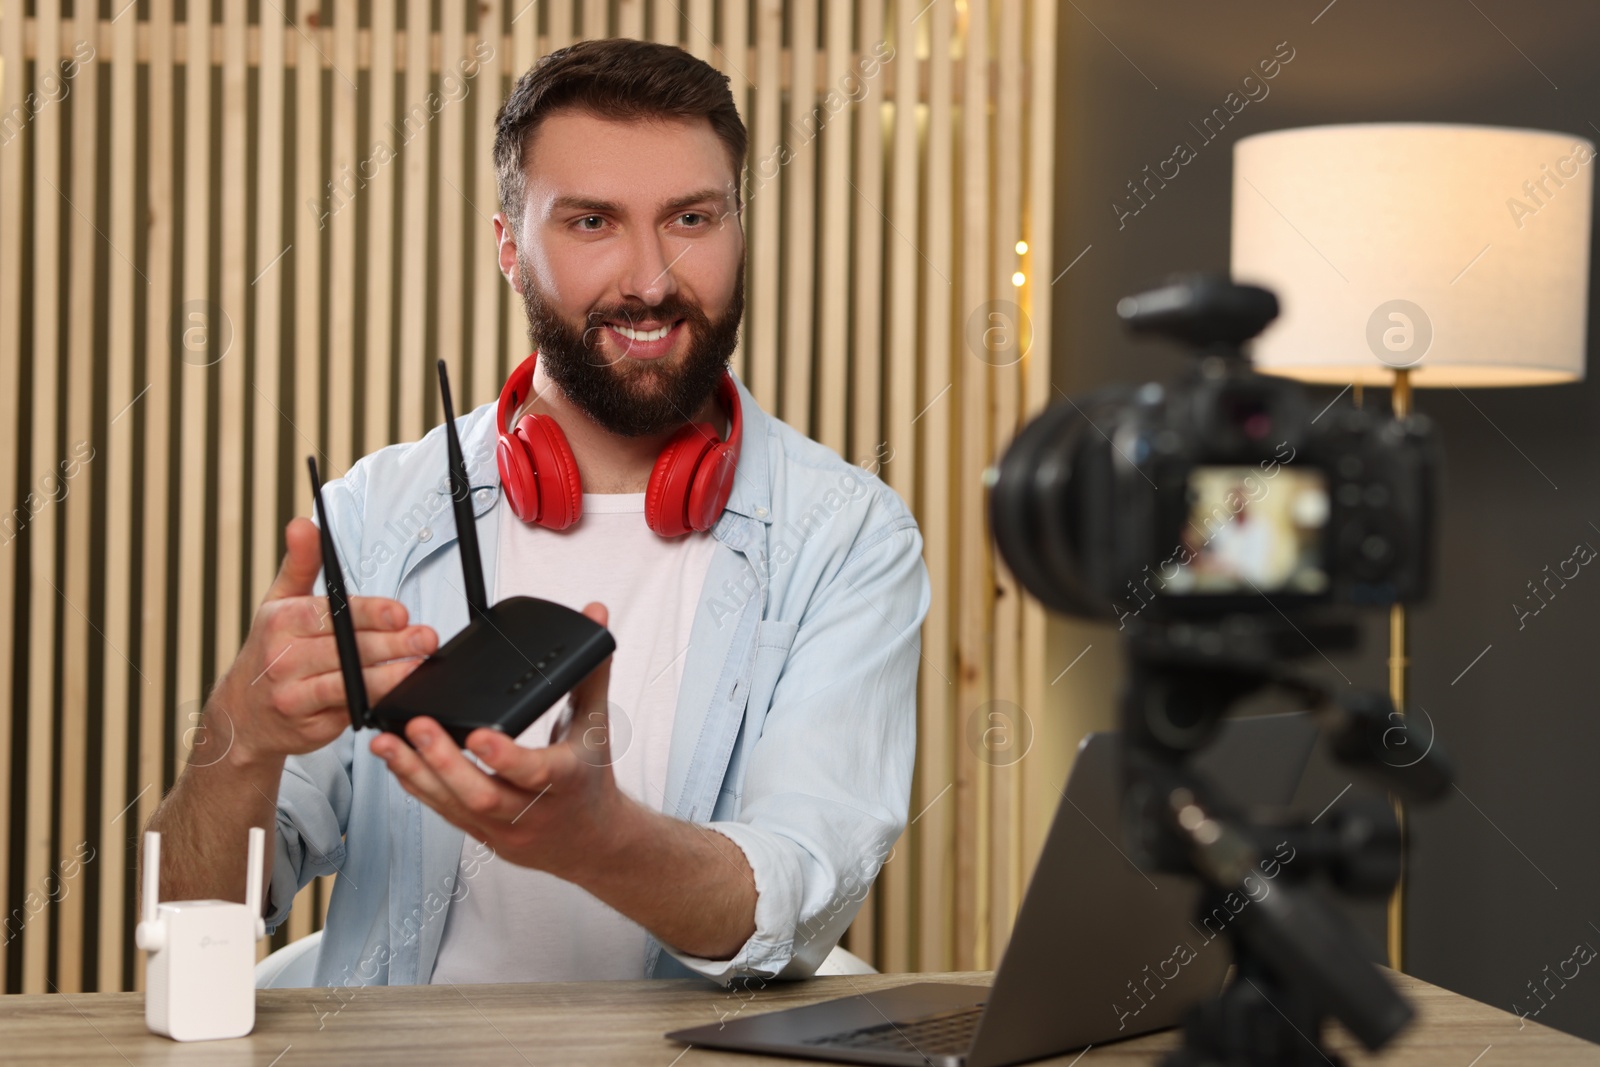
{"x":1505,"y":876}
{"x":234,"y":233}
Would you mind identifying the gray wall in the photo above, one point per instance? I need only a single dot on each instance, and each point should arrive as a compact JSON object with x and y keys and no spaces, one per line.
{"x":1504,"y":884}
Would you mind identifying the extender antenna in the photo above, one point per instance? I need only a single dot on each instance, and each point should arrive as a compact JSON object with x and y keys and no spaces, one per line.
{"x":344,"y":631}
{"x":252,"y":885}
{"x":151,"y":934}
{"x":461,"y":495}
{"x":152,"y":875}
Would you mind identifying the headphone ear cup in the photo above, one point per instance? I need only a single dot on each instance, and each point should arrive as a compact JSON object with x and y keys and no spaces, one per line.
{"x":558,"y":488}
{"x":667,"y":496}
{"x":713,"y":485}
{"x":516,"y":477}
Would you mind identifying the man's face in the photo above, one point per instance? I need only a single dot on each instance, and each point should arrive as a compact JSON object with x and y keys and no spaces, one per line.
{"x":630,"y":262}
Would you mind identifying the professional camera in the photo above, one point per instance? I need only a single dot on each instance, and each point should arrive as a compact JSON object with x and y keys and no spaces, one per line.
{"x":1230,"y":528}
{"x":1228,"y":492}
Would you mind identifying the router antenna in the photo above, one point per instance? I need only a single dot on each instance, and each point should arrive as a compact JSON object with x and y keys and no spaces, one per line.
{"x":461,"y":494}
{"x":344,"y":631}
{"x":252,"y":885}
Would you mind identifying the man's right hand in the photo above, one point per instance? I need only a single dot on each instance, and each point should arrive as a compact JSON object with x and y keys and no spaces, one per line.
{"x":284,"y":694}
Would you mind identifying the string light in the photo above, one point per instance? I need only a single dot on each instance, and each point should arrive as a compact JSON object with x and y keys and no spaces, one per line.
{"x":1018,"y":278}
{"x":1022,"y":248}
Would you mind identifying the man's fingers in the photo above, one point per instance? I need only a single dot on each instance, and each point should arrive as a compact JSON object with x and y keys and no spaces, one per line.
{"x":415,"y":775}
{"x":322,"y":691}
{"x":319,"y":654}
{"x":530,"y":770}
{"x":480,"y":795}
{"x":301,"y":563}
{"x":312,"y":615}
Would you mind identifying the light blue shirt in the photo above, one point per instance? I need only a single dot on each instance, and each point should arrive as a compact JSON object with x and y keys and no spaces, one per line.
{"x":795,"y":728}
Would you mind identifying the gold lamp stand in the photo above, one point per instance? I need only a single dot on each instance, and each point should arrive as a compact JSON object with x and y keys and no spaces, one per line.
{"x":1400,"y":398}
{"x":1398,"y":662}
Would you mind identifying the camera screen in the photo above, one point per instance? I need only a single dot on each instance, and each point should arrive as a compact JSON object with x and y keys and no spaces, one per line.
{"x":1250,"y":530}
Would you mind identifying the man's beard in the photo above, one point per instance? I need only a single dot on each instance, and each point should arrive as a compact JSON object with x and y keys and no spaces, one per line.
{"x":634,"y":398}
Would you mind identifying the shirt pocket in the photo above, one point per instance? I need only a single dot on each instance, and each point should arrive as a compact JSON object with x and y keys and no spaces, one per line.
{"x":774,"y":639}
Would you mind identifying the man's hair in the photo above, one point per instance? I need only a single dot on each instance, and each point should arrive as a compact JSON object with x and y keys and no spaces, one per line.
{"x":616,"y":78}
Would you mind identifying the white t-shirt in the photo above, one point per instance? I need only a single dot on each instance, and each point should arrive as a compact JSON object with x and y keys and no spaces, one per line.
{"x":515,"y":924}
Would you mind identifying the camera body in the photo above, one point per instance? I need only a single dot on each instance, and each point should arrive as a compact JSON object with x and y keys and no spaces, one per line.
{"x":1224,"y":493}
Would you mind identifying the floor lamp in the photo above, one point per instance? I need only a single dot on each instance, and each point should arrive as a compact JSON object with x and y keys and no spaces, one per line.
{"x":1411,"y":256}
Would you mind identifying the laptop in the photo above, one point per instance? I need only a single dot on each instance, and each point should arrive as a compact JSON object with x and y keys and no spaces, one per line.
{"x":1100,"y":950}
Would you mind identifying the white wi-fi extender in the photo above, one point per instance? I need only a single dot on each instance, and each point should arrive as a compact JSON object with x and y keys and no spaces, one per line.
{"x":200,"y":979}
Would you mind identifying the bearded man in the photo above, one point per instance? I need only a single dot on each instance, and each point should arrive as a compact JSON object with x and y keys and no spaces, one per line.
{"x":717,"y":798}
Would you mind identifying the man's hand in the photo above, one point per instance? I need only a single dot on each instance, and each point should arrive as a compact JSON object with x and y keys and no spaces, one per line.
{"x":554,"y":808}
{"x":284,"y":694}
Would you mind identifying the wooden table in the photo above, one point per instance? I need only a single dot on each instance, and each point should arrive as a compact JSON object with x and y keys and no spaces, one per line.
{"x":621,"y":1023}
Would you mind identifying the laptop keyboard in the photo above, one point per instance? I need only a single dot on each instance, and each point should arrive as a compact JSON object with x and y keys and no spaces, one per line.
{"x":946,"y":1033}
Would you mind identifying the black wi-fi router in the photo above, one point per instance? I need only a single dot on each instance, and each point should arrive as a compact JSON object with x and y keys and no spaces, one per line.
{"x":508,"y":666}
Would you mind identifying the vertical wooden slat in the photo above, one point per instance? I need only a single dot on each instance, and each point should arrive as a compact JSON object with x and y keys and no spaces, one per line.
{"x":525,"y":37}
{"x":1007,"y":620}
{"x":697,"y":40}
{"x":732,"y":56}
{"x":833,"y":325}
{"x":973,"y":594}
{"x":905,"y":264}
{"x":160,"y":355}
{"x":311,"y":195}
{"x":937,"y":734}
{"x":663,"y":21}
{"x":832,"y":351}
{"x":11,"y":216}
{"x":452,"y":212}
{"x":630,"y":18}
{"x":198,"y":337}
{"x":315,"y":200}
{"x":272,"y":261}
{"x":231,"y":591}
{"x":415,"y":253}
{"x":764,"y":203}
{"x":594,"y":19}
{"x":866,"y":339}
{"x":488,"y":286}
{"x":43,"y":595}
{"x":347,"y":193}
{"x":799,"y":221}
{"x":123,"y":391}
{"x":271,"y":264}
{"x":560,"y":24}
{"x":77,"y":506}
{"x":1038,"y":224}
{"x":378,"y":204}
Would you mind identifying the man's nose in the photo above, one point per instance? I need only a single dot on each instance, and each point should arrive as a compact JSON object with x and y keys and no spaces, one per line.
{"x":649,"y":276}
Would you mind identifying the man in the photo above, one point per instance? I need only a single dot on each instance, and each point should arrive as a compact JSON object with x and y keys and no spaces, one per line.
{"x":730,"y":784}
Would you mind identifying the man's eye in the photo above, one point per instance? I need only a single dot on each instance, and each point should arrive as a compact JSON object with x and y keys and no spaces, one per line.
{"x":584,"y":223}
{"x":691,"y":218}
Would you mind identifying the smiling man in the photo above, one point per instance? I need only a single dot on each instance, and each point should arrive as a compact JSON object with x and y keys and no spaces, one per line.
{"x":727,"y":786}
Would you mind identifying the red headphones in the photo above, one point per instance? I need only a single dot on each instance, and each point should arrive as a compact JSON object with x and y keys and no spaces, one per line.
{"x":689,"y":485}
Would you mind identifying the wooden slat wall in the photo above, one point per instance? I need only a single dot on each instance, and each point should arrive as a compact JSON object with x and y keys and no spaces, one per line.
{"x":218,"y":271}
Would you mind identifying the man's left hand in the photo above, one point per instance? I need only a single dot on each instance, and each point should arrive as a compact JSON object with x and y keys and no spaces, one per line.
{"x":556,"y":809}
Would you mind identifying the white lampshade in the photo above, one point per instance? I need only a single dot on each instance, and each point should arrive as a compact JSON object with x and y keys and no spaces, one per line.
{"x":1461,"y":252}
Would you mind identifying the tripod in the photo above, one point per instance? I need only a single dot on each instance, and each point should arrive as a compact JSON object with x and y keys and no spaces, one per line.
{"x":1296,"y":960}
